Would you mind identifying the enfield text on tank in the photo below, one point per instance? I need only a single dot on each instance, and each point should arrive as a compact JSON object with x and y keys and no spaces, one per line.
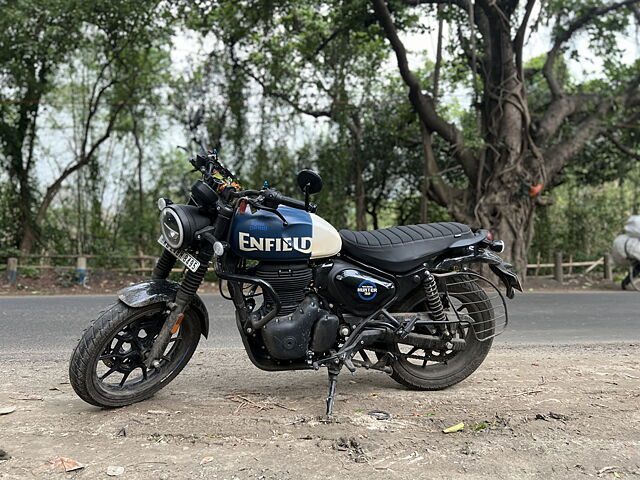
{"x":402,"y":300}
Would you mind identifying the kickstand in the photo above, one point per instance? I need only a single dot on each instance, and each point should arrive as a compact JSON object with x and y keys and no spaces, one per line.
{"x":333,"y":381}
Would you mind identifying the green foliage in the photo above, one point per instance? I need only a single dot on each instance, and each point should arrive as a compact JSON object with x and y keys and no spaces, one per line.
{"x":276,"y":86}
{"x":584,"y":219}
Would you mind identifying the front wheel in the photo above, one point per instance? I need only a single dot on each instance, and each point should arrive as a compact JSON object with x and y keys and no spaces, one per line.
{"x":107,"y":366}
{"x":426,"y":369}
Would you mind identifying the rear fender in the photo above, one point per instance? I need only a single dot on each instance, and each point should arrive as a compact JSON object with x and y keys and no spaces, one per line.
{"x":498,"y":266}
{"x":162,"y":291}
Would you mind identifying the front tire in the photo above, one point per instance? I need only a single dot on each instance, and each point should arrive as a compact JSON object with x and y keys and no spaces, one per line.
{"x":437,"y":370}
{"x":107,"y":366}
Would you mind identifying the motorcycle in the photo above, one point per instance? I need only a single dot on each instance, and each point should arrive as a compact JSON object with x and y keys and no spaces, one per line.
{"x":401,"y":300}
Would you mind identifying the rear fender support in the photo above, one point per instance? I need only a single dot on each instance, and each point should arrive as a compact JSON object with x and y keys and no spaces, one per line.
{"x":498,"y":266}
{"x":162,"y":291}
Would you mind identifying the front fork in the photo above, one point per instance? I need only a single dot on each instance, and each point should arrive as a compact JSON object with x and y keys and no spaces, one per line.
{"x":185,"y":294}
{"x":187,"y":289}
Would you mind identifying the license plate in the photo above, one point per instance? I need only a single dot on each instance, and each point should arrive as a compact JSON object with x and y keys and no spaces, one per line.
{"x":189,"y":260}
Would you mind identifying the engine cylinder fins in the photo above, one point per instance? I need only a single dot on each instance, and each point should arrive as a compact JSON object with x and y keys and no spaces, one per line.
{"x":289,"y":280}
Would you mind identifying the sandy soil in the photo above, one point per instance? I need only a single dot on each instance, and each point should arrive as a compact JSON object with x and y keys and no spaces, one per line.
{"x":529,"y":412}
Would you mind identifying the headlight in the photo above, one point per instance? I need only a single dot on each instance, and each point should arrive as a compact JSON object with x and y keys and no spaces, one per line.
{"x":180,"y":223}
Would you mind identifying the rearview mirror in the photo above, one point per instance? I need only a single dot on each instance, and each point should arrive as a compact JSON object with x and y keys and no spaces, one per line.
{"x":309,"y":181}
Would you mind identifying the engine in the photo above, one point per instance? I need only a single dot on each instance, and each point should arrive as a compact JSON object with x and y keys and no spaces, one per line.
{"x":302,"y":324}
{"x":289,"y":280}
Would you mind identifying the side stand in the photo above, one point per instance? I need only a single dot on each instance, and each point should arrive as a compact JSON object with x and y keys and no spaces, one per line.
{"x":333,"y":381}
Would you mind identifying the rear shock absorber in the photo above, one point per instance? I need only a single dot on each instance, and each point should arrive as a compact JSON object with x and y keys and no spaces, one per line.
{"x":434,"y":302}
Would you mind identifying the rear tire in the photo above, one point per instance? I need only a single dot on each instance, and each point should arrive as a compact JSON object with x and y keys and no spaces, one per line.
{"x":107,"y":368}
{"x":458,"y":365}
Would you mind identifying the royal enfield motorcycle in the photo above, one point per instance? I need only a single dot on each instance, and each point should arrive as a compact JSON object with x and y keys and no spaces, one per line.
{"x":406,"y":300}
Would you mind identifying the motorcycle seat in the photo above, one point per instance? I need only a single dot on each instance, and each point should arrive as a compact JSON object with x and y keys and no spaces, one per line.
{"x":403,"y":248}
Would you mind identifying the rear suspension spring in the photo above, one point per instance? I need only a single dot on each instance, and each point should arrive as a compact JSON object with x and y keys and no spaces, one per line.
{"x":434,"y":302}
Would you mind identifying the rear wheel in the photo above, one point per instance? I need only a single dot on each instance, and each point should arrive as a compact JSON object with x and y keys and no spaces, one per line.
{"x":428,"y":369}
{"x":107,"y":366}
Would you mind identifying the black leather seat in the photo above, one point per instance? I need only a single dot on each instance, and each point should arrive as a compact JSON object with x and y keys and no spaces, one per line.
{"x":400,"y":249}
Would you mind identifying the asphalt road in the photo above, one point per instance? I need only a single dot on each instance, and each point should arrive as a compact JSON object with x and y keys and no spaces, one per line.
{"x":56,"y":322}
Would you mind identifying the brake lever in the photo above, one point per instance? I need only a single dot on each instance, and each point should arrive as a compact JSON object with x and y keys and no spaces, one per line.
{"x":256,"y":204}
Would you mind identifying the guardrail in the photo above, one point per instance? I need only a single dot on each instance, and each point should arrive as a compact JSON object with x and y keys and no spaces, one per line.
{"x":142,"y":264}
{"x":145,"y":263}
{"x":558,"y":267}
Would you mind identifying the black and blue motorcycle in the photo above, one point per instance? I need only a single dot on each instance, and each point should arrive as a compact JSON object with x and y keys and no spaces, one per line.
{"x":404,"y":300}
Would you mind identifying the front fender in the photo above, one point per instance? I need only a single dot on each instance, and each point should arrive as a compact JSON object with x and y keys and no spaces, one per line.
{"x":498,"y":266}
{"x":156,"y":291}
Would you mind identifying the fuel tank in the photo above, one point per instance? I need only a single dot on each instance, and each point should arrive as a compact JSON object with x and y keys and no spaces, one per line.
{"x":261,"y":235}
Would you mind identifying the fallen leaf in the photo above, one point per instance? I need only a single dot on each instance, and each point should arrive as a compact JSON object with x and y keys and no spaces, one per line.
{"x":7,"y":410}
{"x":206,"y":460}
{"x":64,"y":464}
{"x":455,"y":428}
{"x":114,"y":470}
{"x":606,"y":470}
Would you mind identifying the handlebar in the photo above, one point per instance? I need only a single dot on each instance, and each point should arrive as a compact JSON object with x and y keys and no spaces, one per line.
{"x":272,"y":199}
{"x":276,"y":198}
{"x":207,"y":163}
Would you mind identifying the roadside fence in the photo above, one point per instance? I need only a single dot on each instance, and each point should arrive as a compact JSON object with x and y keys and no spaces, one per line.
{"x":78,"y":265}
{"x":81,"y":264}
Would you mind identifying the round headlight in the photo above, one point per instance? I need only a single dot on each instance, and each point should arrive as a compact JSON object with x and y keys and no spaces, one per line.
{"x":180,"y":223}
{"x":172,"y":229}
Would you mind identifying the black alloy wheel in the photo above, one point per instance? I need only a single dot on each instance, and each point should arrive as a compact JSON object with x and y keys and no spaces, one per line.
{"x":107,"y":367}
{"x":433,"y":369}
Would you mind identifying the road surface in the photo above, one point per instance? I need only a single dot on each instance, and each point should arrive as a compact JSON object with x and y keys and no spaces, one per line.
{"x":55,"y":322}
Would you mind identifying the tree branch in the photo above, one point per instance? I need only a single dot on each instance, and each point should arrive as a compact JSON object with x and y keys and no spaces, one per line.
{"x":463,"y":4}
{"x":316,"y":113}
{"x":620,"y":146}
{"x":52,"y":189}
{"x":518,"y":41}
{"x":564,"y":36}
{"x":557,"y":112}
{"x":560,"y":153}
{"x":423,"y":103}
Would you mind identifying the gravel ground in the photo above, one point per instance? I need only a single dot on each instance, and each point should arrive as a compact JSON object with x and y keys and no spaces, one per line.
{"x":528,"y":412}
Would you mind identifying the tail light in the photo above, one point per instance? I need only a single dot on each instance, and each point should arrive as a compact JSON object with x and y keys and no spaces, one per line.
{"x":497,"y":246}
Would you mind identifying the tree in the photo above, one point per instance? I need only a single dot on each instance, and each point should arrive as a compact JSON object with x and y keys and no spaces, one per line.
{"x":520,"y":146}
{"x":27,"y":68}
{"x":309,"y":59}
{"x":111,"y":40}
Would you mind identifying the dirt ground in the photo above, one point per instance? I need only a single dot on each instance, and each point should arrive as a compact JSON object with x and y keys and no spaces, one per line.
{"x":528,"y":412}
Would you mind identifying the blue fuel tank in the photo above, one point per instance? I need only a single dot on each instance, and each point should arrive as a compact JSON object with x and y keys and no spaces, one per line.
{"x":262,"y":236}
